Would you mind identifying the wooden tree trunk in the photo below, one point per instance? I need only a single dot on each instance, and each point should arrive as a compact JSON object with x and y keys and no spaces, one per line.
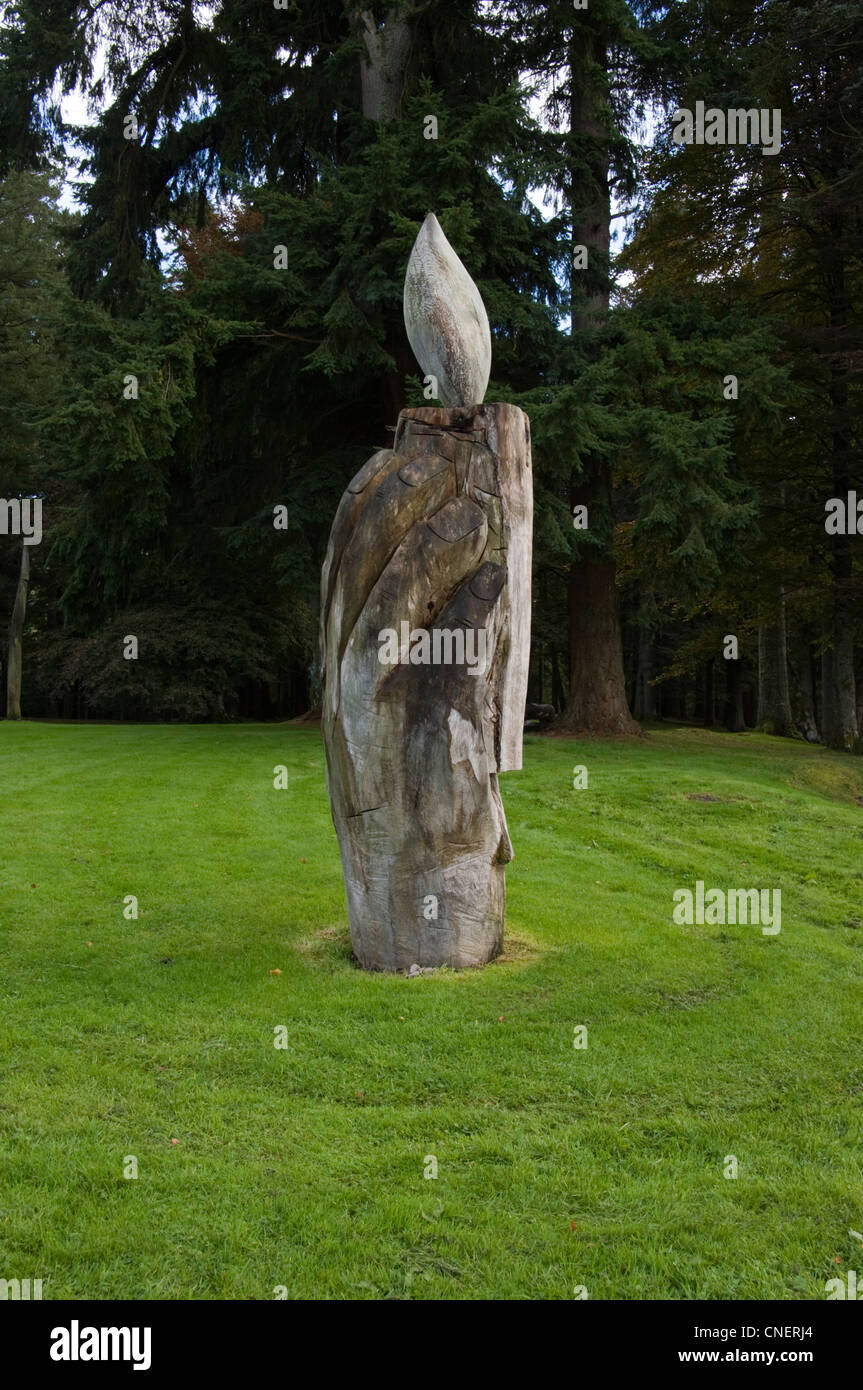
{"x":735,"y":721}
{"x":645,"y":693}
{"x":384,"y":61}
{"x":774,"y":701}
{"x":801,"y":681}
{"x":437,"y":535}
{"x":14,"y":665}
{"x":709,"y":694}
{"x":841,"y":730}
{"x":597,"y":692}
{"x":597,"y":703}
{"x":839,"y":725}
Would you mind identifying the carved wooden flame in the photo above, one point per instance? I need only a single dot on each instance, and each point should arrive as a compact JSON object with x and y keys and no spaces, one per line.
{"x":446,"y":319}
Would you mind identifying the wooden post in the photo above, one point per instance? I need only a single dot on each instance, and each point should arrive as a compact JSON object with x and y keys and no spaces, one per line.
{"x":431,"y":543}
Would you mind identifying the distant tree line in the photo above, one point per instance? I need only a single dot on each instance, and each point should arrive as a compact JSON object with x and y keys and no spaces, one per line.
{"x":215,"y":343}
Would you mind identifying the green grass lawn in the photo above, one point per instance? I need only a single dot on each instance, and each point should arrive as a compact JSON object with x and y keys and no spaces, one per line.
{"x":303,"y":1166}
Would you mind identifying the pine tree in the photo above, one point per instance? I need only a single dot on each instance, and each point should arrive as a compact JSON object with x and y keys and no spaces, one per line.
{"x":598,"y":61}
{"x":794,"y":219}
{"x":272,"y":358}
{"x":30,"y":292}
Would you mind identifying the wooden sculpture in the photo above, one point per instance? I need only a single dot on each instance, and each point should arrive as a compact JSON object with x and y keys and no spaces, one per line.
{"x":425,"y":633}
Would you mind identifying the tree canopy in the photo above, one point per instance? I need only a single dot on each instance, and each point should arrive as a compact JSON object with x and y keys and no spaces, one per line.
{"x":214,"y":340}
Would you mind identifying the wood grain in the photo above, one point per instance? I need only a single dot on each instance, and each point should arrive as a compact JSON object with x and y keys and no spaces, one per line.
{"x":435,"y":533}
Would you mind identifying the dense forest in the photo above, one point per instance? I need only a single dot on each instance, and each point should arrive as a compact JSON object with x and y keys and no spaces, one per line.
{"x":200,"y":348}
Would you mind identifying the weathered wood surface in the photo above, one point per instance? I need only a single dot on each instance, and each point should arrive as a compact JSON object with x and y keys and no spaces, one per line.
{"x":435,"y":533}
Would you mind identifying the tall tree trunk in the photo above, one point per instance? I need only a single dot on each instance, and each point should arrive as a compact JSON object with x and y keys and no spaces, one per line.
{"x":594,"y":705}
{"x":774,"y":702}
{"x":698,"y":686}
{"x":841,"y":730}
{"x":673,"y":702}
{"x":830,"y":723}
{"x":801,"y":678}
{"x":709,"y":694}
{"x":845,"y":734}
{"x":556,"y":681}
{"x":597,"y":702}
{"x":383,"y":66}
{"x":735,"y":721}
{"x":14,"y":666}
{"x":383,"y":73}
{"x":645,"y":693}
